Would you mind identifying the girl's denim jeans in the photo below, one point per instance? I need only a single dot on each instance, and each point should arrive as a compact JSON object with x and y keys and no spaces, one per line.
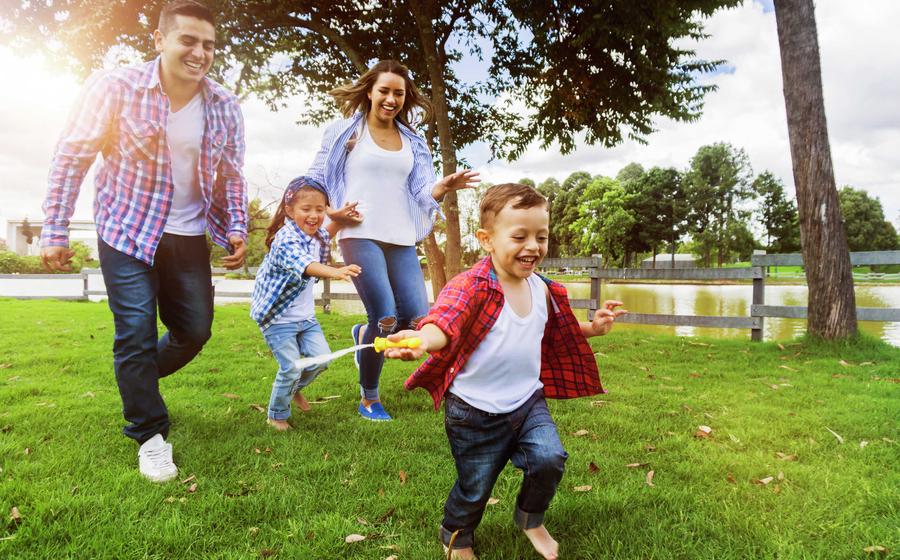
{"x":392,"y":288}
{"x":288,"y":342}
{"x":482,"y":443}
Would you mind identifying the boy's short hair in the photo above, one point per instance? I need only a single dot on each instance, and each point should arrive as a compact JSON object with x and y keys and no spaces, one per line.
{"x":190,"y":8}
{"x":497,"y":197}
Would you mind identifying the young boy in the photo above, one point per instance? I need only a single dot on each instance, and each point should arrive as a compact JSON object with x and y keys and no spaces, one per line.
{"x":501,"y":339}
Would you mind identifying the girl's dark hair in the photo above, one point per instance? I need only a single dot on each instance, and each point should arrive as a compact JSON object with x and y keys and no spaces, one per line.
{"x":298,"y":185}
{"x":353,"y":97}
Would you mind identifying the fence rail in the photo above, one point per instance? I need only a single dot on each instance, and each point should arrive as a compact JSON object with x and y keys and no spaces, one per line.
{"x":593,"y":265}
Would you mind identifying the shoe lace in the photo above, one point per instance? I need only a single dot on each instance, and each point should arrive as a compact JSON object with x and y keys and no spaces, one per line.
{"x":159,"y":457}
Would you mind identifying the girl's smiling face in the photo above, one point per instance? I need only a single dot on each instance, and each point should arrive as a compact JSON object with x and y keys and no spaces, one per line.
{"x":307,"y":209}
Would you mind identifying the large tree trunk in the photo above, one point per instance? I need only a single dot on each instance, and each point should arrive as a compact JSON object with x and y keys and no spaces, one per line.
{"x":424,"y":12}
{"x":832,"y":309}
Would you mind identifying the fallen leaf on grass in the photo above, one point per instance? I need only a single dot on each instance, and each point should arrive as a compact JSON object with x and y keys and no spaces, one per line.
{"x":650,"y":448}
{"x":5,"y":366}
{"x":253,"y":530}
{"x":27,"y":451}
{"x":777,"y":489}
{"x":650,"y":478}
{"x":585,"y":488}
{"x":730,"y":479}
{"x":385,"y":516}
{"x":835,"y":434}
{"x":402,"y":477}
{"x":391,"y":557}
{"x":635,"y":465}
{"x":863,"y":443}
{"x":876,"y":548}
{"x":867,"y":363}
{"x":599,"y":403}
{"x":257,"y":407}
{"x":789,"y":368}
{"x":266,"y":552}
{"x":192,"y":488}
{"x":349,"y":539}
{"x":781,"y":347}
{"x":89,"y":394}
{"x":189,"y":479}
{"x":361,"y":521}
{"x":14,"y":378}
{"x":230,"y":396}
{"x":593,"y":468}
{"x":491,"y":501}
{"x":15,"y":516}
{"x":845,"y":364}
{"x":763,"y":481}
{"x":703,"y":432}
{"x":785,"y":457}
{"x":580,"y":433}
{"x":695,"y":375}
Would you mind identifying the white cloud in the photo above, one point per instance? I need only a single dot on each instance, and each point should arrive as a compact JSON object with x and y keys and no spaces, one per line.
{"x":861,"y":86}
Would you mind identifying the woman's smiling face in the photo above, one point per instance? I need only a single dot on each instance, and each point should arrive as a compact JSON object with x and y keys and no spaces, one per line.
{"x":387,"y":95}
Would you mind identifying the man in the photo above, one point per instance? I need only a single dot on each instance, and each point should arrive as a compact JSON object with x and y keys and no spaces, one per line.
{"x":173,"y":147}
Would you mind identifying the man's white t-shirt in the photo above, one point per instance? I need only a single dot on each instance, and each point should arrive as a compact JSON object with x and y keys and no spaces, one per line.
{"x":184,"y":132}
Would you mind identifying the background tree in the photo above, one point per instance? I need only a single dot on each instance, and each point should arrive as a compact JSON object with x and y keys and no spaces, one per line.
{"x":580,"y":69}
{"x":564,"y":212}
{"x":660,"y":209}
{"x":604,"y":220}
{"x":776,"y":214}
{"x":864,"y":222}
{"x":826,"y":258}
{"x":258,"y":219}
{"x":551,"y":188}
{"x":717,"y":184}
{"x":630,"y":172}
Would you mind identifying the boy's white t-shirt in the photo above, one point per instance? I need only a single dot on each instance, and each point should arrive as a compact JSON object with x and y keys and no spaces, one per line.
{"x":504,"y":371}
{"x":184,"y":132}
{"x":377,"y":178}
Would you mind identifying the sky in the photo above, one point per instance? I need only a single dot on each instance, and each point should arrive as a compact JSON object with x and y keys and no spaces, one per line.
{"x":861,"y":81}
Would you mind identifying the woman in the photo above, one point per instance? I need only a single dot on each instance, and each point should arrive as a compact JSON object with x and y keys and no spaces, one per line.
{"x":373,"y":156}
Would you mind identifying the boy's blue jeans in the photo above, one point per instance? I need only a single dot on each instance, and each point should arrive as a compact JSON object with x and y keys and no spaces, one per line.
{"x":179,"y":283}
{"x":481,"y":444}
{"x":392,"y":288}
{"x":288,"y":342}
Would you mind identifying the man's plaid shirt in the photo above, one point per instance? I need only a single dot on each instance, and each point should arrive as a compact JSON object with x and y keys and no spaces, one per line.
{"x":468,"y":307}
{"x":122,"y":114}
{"x":281,"y":278}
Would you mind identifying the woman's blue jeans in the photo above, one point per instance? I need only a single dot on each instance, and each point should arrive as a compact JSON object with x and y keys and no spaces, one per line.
{"x":482,"y":443}
{"x":392,"y":288}
{"x":288,"y":341}
{"x":179,"y":284}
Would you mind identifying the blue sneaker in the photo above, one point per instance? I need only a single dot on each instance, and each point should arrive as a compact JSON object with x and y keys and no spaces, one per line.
{"x":374,"y":412}
{"x":354,"y":334}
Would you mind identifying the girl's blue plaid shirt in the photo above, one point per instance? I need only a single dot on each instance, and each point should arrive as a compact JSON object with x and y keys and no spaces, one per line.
{"x":281,"y":277}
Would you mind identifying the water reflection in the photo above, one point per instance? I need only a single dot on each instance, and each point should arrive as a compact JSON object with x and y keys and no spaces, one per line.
{"x":735,"y":300}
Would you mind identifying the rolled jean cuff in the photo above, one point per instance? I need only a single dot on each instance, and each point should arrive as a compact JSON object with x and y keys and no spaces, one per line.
{"x":525,"y":520}
{"x":368,"y":394}
{"x":464,"y":539}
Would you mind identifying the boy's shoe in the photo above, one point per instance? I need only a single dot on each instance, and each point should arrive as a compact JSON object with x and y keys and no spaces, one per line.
{"x":374,"y":412}
{"x":155,"y":460}
{"x":355,"y":331}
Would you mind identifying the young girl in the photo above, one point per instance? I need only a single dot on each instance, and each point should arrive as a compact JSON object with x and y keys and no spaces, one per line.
{"x":283,"y":302}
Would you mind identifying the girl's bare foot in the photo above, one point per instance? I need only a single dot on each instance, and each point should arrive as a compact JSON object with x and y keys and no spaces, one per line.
{"x":542,"y":542}
{"x":280,"y":425}
{"x":301,"y":402}
{"x":460,"y":554}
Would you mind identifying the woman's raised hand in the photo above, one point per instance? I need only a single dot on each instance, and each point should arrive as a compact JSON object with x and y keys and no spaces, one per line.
{"x":466,"y":179}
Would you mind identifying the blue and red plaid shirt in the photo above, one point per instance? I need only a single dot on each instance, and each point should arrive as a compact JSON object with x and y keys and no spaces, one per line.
{"x":468,"y":307}
{"x":122,"y":113}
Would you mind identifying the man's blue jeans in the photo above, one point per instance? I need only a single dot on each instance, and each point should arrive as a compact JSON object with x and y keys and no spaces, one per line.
{"x":179,"y":283}
{"x":288,"y":342}
{"x":482,"y":443}
{"x":392,"y":288}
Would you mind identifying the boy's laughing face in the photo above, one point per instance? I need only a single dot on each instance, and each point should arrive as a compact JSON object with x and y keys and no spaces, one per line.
{"x":517,"y":240}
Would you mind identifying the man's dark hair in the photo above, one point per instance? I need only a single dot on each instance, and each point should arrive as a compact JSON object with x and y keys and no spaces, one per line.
{"x":190,"y":8}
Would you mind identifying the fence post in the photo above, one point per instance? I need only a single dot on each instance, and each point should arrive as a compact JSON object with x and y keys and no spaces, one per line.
{"x":326,"y":295}
{"x":84,"y":285}
{"x":595,"y":286}
{"x":759,"y":297}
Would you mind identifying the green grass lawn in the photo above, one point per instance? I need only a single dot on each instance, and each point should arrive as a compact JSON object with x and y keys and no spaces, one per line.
{"x":802,"y":460}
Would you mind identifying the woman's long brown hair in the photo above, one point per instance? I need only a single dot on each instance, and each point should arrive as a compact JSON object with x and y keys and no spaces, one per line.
{"x":353,"y":97}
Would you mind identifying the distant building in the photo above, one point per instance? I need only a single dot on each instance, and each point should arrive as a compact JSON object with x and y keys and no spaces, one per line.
{"x":664,"y":260}
{"x":23,"y":236}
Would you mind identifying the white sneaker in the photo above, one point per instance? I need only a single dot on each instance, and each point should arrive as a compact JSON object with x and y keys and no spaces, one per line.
{"x":155,"y":460}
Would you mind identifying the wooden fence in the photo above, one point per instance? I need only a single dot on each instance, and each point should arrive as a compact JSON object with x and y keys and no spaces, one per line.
{"x":756,"y":273}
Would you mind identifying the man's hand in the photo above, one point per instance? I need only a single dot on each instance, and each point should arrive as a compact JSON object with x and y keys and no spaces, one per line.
{"x":606,"y":316}
{"x":57,"y":258}
{"x":235,"y":259}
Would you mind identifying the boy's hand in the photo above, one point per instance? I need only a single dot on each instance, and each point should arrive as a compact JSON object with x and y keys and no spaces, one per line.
{"x":347,"y":272}
{"x":345,"y":215}
{"x":406,"y":353}
{"x":606,"y":316}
